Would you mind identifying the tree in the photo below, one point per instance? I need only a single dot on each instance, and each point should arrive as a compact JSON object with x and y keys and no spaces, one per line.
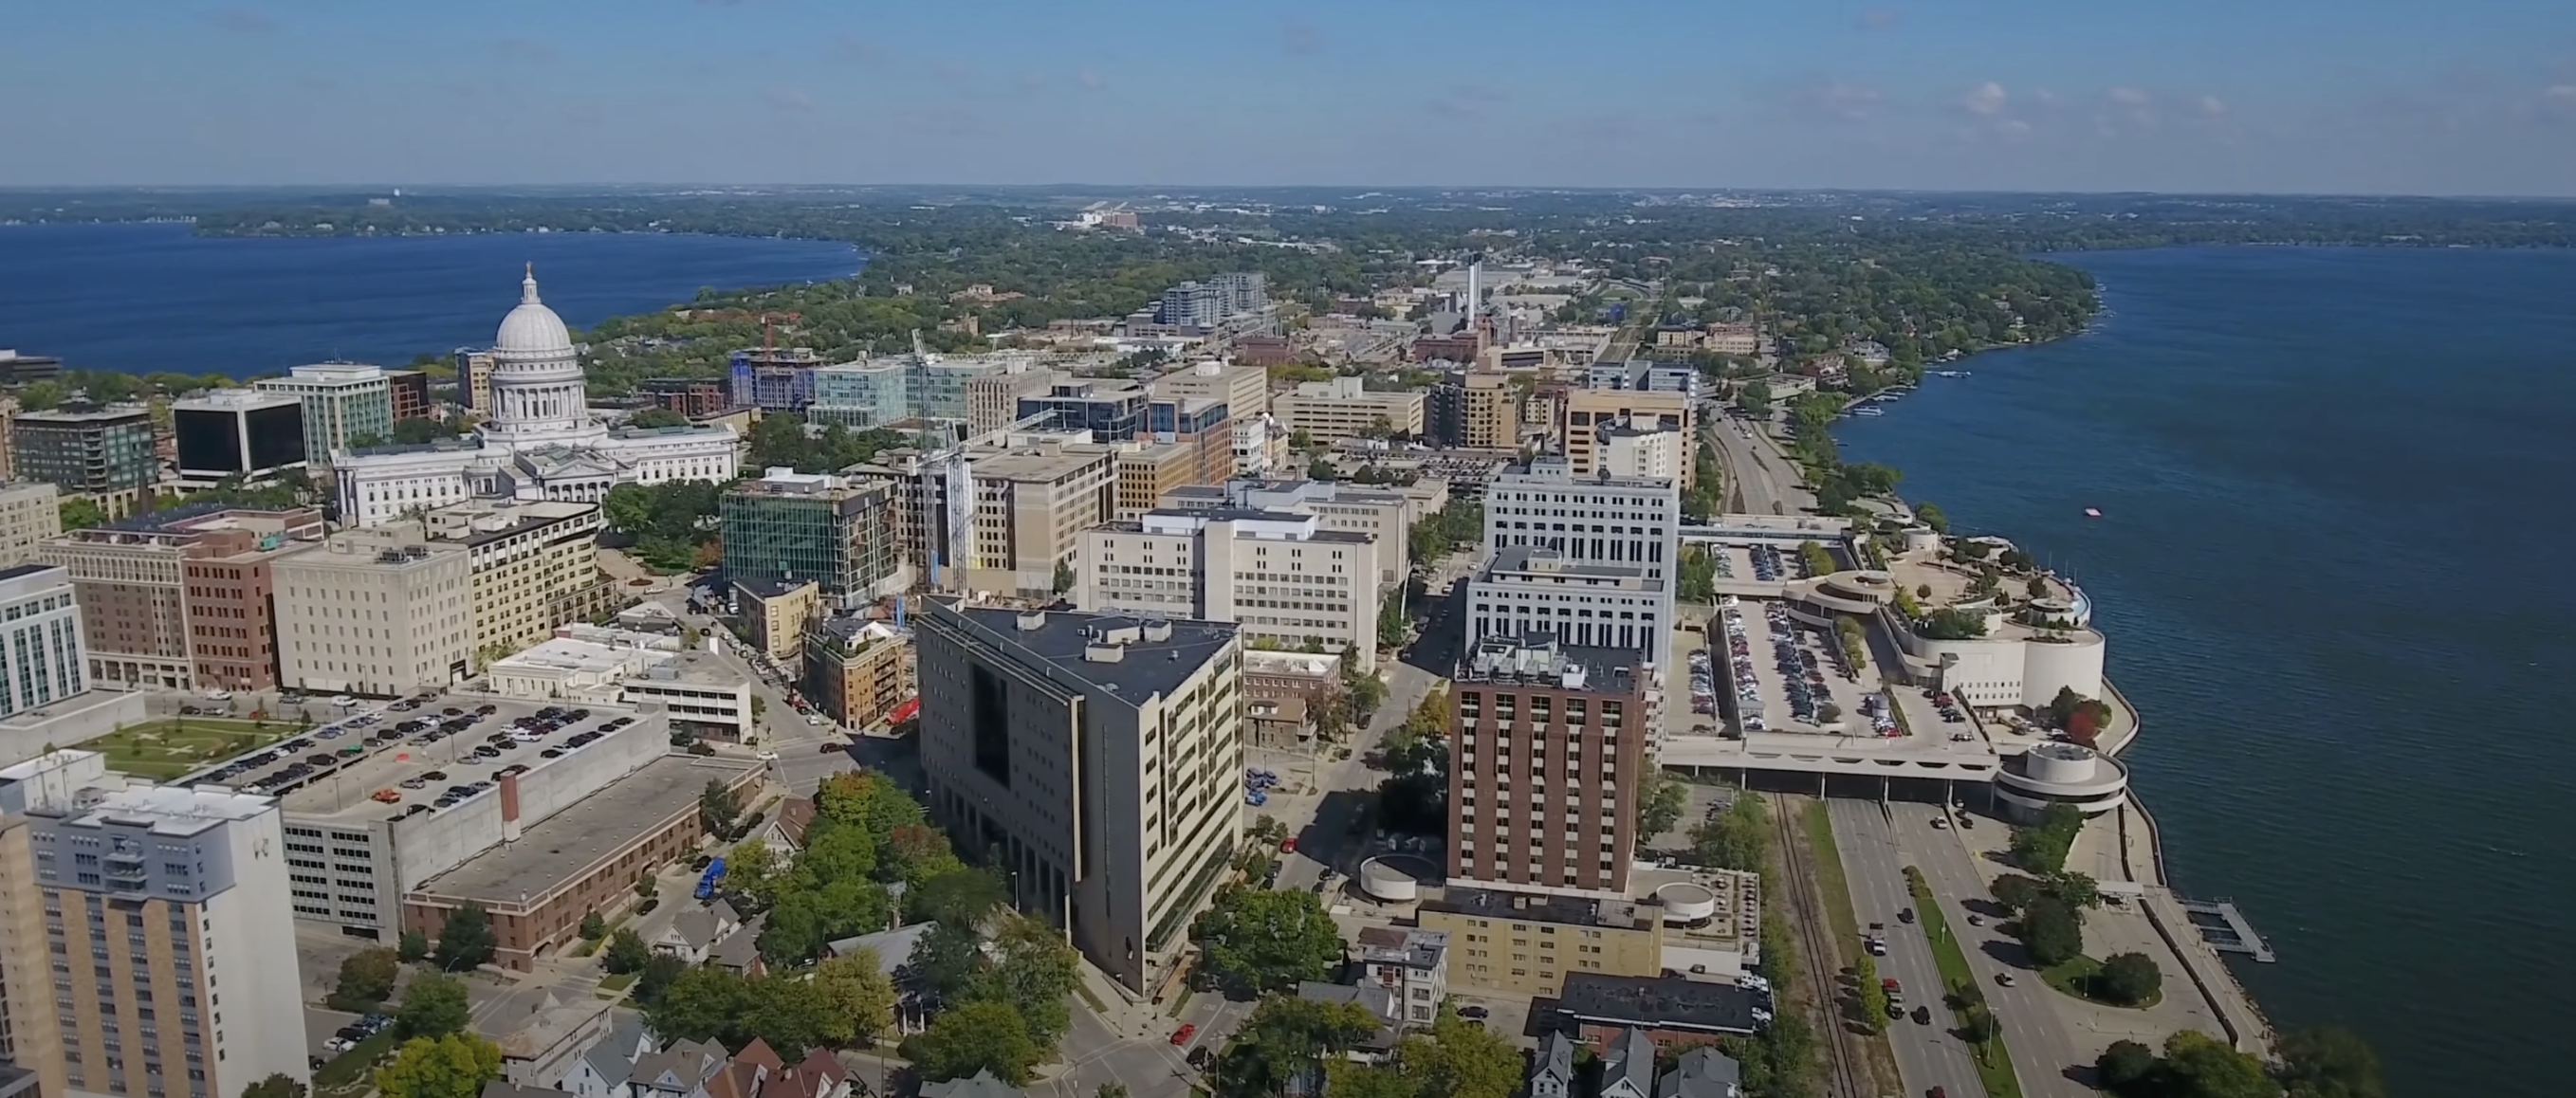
{"x":454,"y":1066}
{"x":80,"y":514}
{"x":1284,"y":1039}
{"x":858,"y":989}
{"x":2075,"y":890}
{"x":1258,"y":939}
{"x":413,"y":432}
{"x":2041,"y":848}
{"x":658,"y":975}
{"x":275,"y":1086}
{"x":914,"y":854}
{"x":2124,"y":1066}
{"x":658,"y":417}
{"x":2129,"y":979}
{"x":983,"y":1036}
{"x":1320,"y":469}
{"x":1698,"y":580}
{"x":412,"y":946}
{"x":963,"y":897}
{"x":366,"y":978}
{"x":2016,"y":892}
{"x":626,"y":952}
{"x":752,"y":876}
{"x":1064,"y":577}
{"x":2037,"y":588}
{"x":2052,"y":932}
{"x":1661,"y":806}
{"x":466,"y":939}
{"x":41,"y":396}
{"x":2198,"y":1065}
{"x":1034,"y":971}
{"x":593,"y":928}
{"x":628,"y":509}
{"x":718,"y":807}
{"x":1736,"y":837}
{"x":1873,"y":995}
{"x":433,"y":1006}
{"x":2330,"y":1062}
{"x":1932,"y":516}
{"x":1459,"y":1060}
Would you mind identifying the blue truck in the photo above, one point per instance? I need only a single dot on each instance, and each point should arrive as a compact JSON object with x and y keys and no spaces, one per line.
{"x":707,"y":884}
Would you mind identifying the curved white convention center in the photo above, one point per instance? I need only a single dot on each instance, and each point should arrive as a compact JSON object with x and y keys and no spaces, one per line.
{"x":2062,"y":773}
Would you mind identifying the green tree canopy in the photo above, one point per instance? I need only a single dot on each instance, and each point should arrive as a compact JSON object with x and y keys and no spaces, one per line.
{"x":2330,"y":1062}
{"x":1257,"y":939}
{"x":626,"y":952}
{"x":433,"y":1006}
{"x":2130,"y":979}
{"x":453,"y":1066}
{"x":366,"y":978}
{"x":979,"y":1036}
{"x":857,"y":988}
{"x":275,"y":1086}
{"x":1736,"y":837}
{"x":2052,"y":932}
{"x":466,"y":939}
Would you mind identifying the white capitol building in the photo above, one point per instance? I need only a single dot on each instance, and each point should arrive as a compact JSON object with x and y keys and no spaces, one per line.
{"x":542,"y":443}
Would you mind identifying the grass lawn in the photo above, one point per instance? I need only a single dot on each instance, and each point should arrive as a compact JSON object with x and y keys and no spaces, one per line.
{"x":2076,"y":978}
{"x":1994,"y":1062}
{"x":617,"y":982}
{"x":166,"y":749}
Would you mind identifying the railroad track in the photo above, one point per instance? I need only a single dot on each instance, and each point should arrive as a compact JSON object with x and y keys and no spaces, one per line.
{"x":1844,"y":1076}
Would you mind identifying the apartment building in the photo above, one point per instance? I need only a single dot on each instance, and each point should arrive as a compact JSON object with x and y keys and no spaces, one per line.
{"x":245,"y":433}
{"x":1591,"y":559}
{"x":344,"y":403}
{"x":171,"y":906}
{"x":474,"y":379}
{"x":689,"y":396}
{"x":1590,"y":414}
{"x":837,"y":531}
{"x":1097,"y":759}
{"x":1244,"y":390}
{"x":1280,"y":575}
{"x":998,"y":519}
{"x":409,"y":390}
{"x":1330,"y":411}
{"x":1112,"y":410}
{"x":1492,"y":416}
{"x":1383,"y":514}
{"x":1201,"y":425}
{"x":1548,"y":742}
{"x":30,"y":512}
{"x":535,"y":566}
{"x":1624,"y":451}
{"x":40,"y":644}
{"x":1523,"y":943}
{"x":183,"y":599}
{"x":381,"y":610}
{"x":857,"y":672}
{"x":31,"y":1043}
{"x":1412,"y":964}
{"x":777,"y":612}
{"x":103,"y":454}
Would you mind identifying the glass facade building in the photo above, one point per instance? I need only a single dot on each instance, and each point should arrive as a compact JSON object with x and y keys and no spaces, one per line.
{"x":787,"y":526}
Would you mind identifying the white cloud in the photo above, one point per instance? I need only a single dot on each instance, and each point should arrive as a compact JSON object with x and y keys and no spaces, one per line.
{"x":2131,"y":97}
{"x":789,"y":99}
{"x":2209,"y":106}
{"x":1090,"y":80}
{"x":2562,"y":93}
{"x":1987,"y":98}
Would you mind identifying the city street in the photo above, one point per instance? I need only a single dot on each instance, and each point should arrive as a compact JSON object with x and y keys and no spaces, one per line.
{"x":1926,"y":1055}
{"x":1760,"y":479}
{"x":2044,"y":1050}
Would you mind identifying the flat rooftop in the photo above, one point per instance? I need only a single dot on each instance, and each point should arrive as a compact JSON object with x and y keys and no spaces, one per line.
{"x":1488,"y":903}
{"x":344,"y":785}
{"x":1665,"y":1002}
{"x":1146,"y":668}
{"x":569,"y":841}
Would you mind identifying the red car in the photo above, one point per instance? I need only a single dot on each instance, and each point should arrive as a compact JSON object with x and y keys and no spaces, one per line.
{"x":1288,"y":845}
{"x":1182,"y":1035}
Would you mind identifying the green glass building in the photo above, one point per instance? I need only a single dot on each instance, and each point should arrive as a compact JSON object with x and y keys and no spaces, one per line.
{"x":787,"y":526}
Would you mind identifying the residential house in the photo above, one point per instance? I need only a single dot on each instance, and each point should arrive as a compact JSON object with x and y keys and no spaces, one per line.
{"x":982,"y":1085}
{"x":894,"y":950}
{"x":1411,"y":963}
{"x":602,"y":1070}
{"x":739,"y":952}
{"x":694,"y":934}
{"x":502,"y":1088}
{"x":680,"y":1071}
{"x":1379,"y":1001}
{"x":1552,"y":1072}
{"x":1628,"y":1066}
{"x":1704,"y":1072}
{"x":759,"y":1072}
{"x":784,"y":834}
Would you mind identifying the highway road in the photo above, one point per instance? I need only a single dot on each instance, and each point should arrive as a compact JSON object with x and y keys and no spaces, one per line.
{"x":1926,"y":1055}
{"x":1760,"y":479}
{"x":2044,"y":1048}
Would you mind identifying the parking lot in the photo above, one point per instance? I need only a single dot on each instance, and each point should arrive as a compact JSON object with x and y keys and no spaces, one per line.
{"x":415,"y":756}
{"x":1791,"y":677}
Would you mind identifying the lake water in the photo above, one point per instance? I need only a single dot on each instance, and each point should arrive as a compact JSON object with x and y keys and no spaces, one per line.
{"x":158,"y":297}
{"x":2330,"y":562}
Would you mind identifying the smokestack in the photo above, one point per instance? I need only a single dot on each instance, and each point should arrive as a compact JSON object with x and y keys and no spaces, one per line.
{"x":509,"y":808}
{"x":1475,"y":289}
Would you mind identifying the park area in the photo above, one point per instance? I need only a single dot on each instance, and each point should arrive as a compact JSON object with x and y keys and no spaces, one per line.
{"x":165,"y":749}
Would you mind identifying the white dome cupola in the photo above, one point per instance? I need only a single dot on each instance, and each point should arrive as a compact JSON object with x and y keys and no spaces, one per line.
{"x":537,"y":385}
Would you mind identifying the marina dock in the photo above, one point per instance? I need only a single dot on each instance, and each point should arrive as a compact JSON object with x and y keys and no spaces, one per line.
{"x":2231,"y":932}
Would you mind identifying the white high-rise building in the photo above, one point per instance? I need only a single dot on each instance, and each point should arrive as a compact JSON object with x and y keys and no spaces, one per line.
{"x":381,"y":611}
{"x":1590,"y":559}
{"x":1280,"y":575}
{"x":542,"y":443}
{"x":170,"y":905}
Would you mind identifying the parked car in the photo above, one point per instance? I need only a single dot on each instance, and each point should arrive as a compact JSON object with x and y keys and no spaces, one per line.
{"x":1182,"y":1035}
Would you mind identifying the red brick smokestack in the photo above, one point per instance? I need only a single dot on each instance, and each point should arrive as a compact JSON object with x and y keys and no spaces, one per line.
{"x":509,"y":808}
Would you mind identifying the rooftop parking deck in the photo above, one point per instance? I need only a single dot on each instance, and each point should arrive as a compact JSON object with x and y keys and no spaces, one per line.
{"x":395,"y":762}
{"x":560,"y":848}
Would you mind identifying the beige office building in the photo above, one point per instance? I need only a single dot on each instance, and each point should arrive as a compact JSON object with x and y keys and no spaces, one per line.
{"x":1244,"y":390}
{"x":1097,"y":758}
{"x":1591,"y":412}
{"x":535,"y":566}
{"x":1527,"y":944}
{"x":29,"y":513}
{"x":172,"y":905}
{"x":993,"y":400}
{"x":1384,"y":515}
{"x":382,"y":610}
{"x":1493,"y":412}
{"x":182,"y":599}
{"x":1329,"y":411}
{"x":1280,"y":575}
{"x":1147,"y":472}
{"x":1027,"y":508}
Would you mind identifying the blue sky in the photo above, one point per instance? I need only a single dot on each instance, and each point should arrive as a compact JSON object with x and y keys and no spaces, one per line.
{"x":2341,"y":96}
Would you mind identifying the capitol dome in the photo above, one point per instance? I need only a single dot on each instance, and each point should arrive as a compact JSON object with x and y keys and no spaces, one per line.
{"x":532,"y":329}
